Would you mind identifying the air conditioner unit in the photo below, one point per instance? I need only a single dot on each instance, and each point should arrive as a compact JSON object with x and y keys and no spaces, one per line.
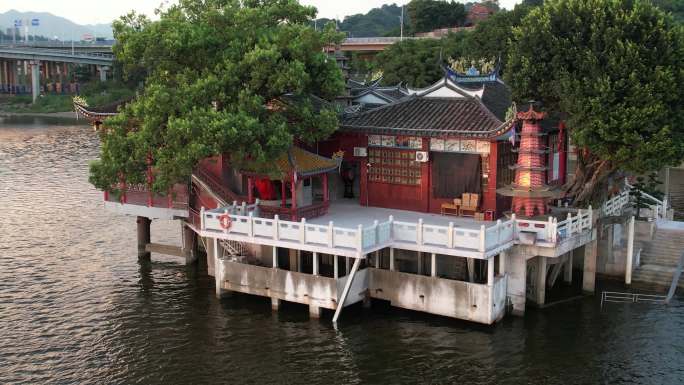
{"x":422,"y":156}
{"x":360,"y":151}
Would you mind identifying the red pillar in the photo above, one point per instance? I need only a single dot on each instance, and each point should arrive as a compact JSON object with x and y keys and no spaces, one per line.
{"x":489,"y":201}
{"x":325,"y":187}
{"x":425,"y":179}
{"x":250,"y":188}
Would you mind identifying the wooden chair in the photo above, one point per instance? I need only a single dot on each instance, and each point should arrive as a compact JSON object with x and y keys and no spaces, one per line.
{"x":469,"y":205}
{"x":451,"y":208}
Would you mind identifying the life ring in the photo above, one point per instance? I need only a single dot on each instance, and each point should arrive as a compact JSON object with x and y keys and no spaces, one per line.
{"x":225,"y":221}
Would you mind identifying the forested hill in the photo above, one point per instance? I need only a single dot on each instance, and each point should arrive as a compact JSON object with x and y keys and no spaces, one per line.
{"x":381,"y":21}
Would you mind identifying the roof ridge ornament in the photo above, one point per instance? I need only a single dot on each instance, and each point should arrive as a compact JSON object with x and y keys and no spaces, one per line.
{"x":531,"y":114}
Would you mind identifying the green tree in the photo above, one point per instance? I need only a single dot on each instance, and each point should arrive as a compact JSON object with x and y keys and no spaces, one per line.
{"x":217,"y":71}
{"x":428,"y":15}
{"x":417,"y":63}
{"x":614,"y":69}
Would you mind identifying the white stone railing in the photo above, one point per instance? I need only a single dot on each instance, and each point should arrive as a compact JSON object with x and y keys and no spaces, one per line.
{"x":574,"y":225}
{"x":614,"y":205}
{"x":449,"y":240}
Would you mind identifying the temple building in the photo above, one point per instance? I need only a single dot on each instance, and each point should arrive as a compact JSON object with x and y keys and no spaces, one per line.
{"x":399,"y":205}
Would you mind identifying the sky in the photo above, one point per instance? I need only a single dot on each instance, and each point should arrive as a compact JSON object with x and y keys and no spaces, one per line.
{"x":104,"y":11}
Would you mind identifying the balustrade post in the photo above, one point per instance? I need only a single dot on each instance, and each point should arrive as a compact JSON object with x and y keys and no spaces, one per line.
{"x":302,"y":231}
{"x":225,"y":212}
{"x":243,"y":208}
{"x":419,"y":230}
{"x":549,"y":229}
{"x":375,"y":231}
{"x":391,"y":227}
{"x":276,"y":227}
{"x":202,"y":218}
{"x":498,"y":232}
{"x":251,"y":225}
{"x":515,"y":227}
{"x":450,"y":236}
{"x":331,"y":235}
{"x":569,"y":225}
{"x":359,"y":238}
{"x":591,"y":217}
{"x":482,"y":238}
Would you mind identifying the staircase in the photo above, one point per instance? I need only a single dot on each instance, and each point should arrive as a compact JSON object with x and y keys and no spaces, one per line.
{"x":659,"y":257}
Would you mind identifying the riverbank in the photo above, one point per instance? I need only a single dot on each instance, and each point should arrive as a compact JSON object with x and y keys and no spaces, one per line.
{"x":94,"y":93}
{"x":62,"y":114}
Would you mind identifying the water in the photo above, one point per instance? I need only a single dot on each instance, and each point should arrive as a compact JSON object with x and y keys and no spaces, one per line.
{"x":77,"y":308}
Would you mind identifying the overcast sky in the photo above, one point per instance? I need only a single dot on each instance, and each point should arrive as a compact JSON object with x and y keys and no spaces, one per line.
{"x":104,"y":11}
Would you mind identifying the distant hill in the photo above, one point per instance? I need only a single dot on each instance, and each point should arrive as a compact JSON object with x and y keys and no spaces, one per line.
{"x":377,"y":22}
{"x":51,"y":25}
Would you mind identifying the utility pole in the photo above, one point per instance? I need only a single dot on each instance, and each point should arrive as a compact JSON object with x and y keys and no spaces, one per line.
{"x":402,"y":23}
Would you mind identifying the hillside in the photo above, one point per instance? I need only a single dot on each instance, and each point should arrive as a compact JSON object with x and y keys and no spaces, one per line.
{"x":377,"y":22}
{"x":52,"y":25}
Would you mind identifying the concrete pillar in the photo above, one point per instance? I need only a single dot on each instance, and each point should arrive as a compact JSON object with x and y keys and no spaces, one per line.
{"x":502,"y":262}
{"x":35,"y":79}
{"x":218,"y":270}
{"x":275,"y":257}
{"x":210,"y":256}
{"x":103,"y":72}
{"x":433,"y":265}
{"x":314,"y":311}
{"x":376,"y":256}
{"x":567,"y":269}
{"x":516,"y":268}
{"x":299,"y":261}
{"x":630,"y":251}
{"x":275,"y":304}
{"x":490,"y":271}
{"x":315,"y":263}
{"x":589,"y":276}
{"x":540,"y":289}
{"x":293,"y":259}
{"x":336,"y":267}
{"x":391,"y":263}
{"x":420,"y":263}
{"x":347,"y":265}
{"x":189,"y":245}
{"x":143,"y":237}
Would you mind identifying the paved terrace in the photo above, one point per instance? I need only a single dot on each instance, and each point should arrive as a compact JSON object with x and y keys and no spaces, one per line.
{"x":348,"y":213}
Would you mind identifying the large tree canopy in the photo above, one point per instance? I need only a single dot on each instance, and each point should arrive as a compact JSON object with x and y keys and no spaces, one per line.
{"x":614,"y":68}
{"x":216,"y":73}
{"x":417,"y":62}
{"x":428,"y":15}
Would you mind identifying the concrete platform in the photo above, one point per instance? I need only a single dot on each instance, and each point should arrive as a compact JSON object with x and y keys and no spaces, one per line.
{"x":349,"y":213}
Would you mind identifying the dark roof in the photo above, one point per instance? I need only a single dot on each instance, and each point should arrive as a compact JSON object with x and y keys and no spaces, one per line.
{"x":496,"y":96}
{"x":426,"y":116}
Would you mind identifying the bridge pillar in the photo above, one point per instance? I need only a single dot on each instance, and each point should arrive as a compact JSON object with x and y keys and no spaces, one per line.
{"x":35,"y":79}
{"x":143,"y":237}
{"x":103,"y":72}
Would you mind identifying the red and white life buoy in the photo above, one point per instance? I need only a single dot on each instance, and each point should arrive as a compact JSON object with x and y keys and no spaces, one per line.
{"x":225,"y":221}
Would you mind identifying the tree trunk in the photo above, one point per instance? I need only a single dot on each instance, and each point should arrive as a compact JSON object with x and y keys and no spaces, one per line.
{"x":590,"y":184}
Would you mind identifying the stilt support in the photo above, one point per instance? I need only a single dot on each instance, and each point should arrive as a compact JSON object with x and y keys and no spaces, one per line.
{"x":143,"y":237}
{"x":345,"y":291}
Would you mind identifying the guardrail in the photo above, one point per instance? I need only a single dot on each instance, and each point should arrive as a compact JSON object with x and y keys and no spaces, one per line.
{"x":449,"y":240}
{"x":614,"y":296}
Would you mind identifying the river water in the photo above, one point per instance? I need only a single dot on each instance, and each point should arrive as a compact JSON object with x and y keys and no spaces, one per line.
{"x":76,"y":307}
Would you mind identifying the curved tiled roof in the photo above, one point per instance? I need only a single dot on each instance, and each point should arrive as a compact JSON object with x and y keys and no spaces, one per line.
{"x":303,"y":162}
{"x":428,"y":116}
